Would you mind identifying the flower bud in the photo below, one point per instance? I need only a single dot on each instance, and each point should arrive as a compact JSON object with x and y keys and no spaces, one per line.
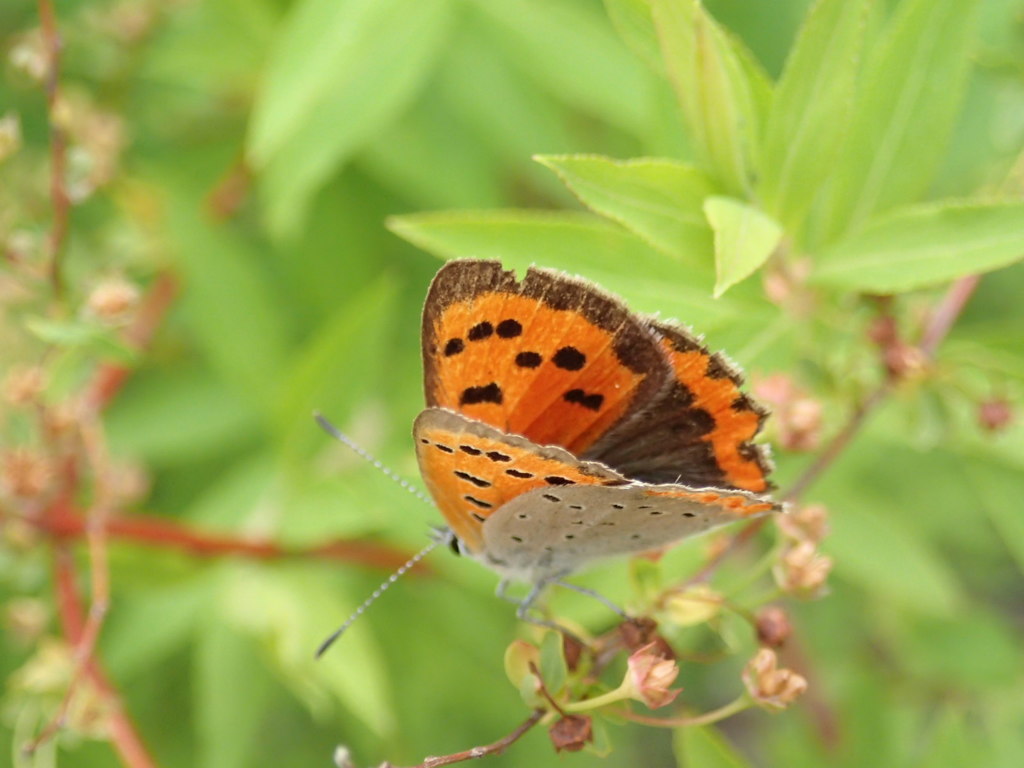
{"x":571,"y":733}
{"x":803,"y":570}
{"x":807,"y":523}
{"x":772,"y":688}
{"x":112,"y":301}
{"x":693,"y":606}
{"x":995,"y":414}
{"x":24,"y":385}
{"x":24,"y":473}
{"x":773,"y":627}
{"x":26,"y":619}
{"x":648,"y":677}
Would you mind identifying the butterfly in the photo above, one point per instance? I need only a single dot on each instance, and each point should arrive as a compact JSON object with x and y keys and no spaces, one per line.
{"x":561,"y":428}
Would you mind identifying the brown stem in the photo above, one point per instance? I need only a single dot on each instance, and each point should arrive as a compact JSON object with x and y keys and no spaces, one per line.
{"x":939,"y":323}
{"x":58,"y":146}
{"x":496,"y":748}
{"x":65,"y":522}
{"x":123,"y":734}
{"x":941,"y":320}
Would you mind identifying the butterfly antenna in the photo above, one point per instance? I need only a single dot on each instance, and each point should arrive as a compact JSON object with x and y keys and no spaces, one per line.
{"x":337,"y":434}
{"x":441,"y":536}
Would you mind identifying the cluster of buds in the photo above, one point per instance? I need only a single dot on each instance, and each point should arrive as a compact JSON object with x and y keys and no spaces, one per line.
{"x":797,"y":415}
{"x":113,"y":301}
{"x":802,"y":570}
{"x":902,"y":360}
{"x":772,"y":688}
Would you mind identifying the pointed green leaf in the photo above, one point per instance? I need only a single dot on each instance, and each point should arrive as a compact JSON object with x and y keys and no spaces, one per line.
{"x":716,"y":91}
{"x":924,"y":245}
{"x":744,"y":239}
{"x":567,"y":47}
{"x":632,"y":20}
{"x":659,"y":200}
{"x":811,"y":108}
{"x":342,"y":70}
{"x":904,"y":111}
{"x":582,"y":244}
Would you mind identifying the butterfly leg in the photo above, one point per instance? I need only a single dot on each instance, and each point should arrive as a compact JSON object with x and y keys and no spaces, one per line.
{"x":522,"y":612}
{"x":502,"y":591}
{"x":591,"y":593}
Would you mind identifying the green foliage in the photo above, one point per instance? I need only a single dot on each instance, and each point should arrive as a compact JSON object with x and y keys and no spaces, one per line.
{"x":782,"y":184}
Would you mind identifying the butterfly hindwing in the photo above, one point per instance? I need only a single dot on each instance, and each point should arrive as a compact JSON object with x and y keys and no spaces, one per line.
{"x":698,"y":431}
{"x":544,"y":533}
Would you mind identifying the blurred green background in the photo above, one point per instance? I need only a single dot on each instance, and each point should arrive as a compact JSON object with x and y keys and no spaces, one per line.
{"x":254,"y":150}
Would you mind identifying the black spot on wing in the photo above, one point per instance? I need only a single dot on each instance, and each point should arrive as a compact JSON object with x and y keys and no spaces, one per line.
{"x":528,"y":360}
{"x":453,"y":347}
{"x":498,"y":456}
{"x":480,"y":331}
{"x":478,"y":502}
{"x":569,"y":359}
{"x":490,"y":393}
{"x":579,"y":397}
{"x":477,"y":481}
{"x":558,"y":480}
{"x":509,"y":329}
{"x":518,"y":473}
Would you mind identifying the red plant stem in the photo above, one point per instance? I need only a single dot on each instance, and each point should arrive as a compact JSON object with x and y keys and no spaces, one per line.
{"x":109,"y":378}
{"x":123,"y":734}
{"x":65,"y":522}
{"x":945,"y":314}
{"x":58,"y":146}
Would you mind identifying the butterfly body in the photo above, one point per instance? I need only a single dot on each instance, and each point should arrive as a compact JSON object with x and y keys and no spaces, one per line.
{"x":561,"y":428}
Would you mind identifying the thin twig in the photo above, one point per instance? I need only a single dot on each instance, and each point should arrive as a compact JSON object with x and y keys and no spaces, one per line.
{"x":477,"y":752}
{"x":109,"y":378}
{"x":58,"y":147}
{"x":939,"y":323}
{"x":123,"y":734}
{"x":946,"y":312}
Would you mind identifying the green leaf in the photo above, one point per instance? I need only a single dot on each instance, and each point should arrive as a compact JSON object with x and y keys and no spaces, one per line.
{"x":92,"y":337}
{"x":290,"y":609}
{"x":231,"y":691}
{"x":811,"y":108}
{"x":718,"y":95}
{"x":705,"y":747}
{"x":659,"y":200}
{"x":885,"y":557}
{"x":552,"y":662}
{"x":341,"y":71}
{"x":230,"y":303}
{"x":924,"y":245}
{"x":997,"y":488}
{"x":744,"y":239}
{"x":569,"y":50}
{"x":582,"y":244}
{"x":633,"y":22}
{"x":904,"y":111}
{"x":320,"y":377}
